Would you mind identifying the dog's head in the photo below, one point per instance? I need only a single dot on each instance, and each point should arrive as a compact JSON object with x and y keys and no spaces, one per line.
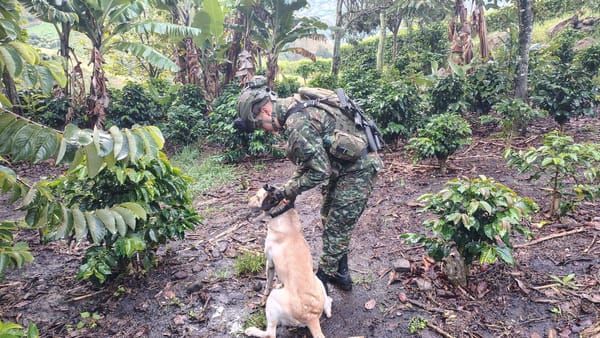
{"x":264,"y":199}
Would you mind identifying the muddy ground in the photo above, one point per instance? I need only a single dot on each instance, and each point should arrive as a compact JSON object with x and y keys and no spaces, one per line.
{"x":195,"y":293}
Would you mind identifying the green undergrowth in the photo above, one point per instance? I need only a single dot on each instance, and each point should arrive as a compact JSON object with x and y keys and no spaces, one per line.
{"x":205,"y":170}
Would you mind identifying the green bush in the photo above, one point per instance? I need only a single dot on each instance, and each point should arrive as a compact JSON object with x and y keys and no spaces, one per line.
{"x":307,"y":68}
{"x":564,"y":92}
{"x":569,"y":169}
{"x":131,"y":237}
{"x":324,"y":80}
{"x":286,"y":87}
{"x":562,"y":45}
{"x":589,"y":59}
{"x":184,"y":125}
{"x":192,"y":96}
{"x":477,"y":216}
{"x":500,"y":20}
{"x":449,"y":94}
{"x":44,"y":108}
{"x":488,"y":84}
{"x":550,"y":9}
{"x":515,"y":115}
{"x":440,"y":137}
{"x":132,"y":105}
{"x":396,"y":107}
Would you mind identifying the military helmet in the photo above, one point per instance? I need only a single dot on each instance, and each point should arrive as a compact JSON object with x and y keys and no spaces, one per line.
{"x":252,"y":98}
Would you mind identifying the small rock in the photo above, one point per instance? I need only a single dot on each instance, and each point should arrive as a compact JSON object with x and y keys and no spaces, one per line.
{"x":401,"y":265}
{"x":181,"y":275}
{"x":194,"y":287}
{"x":179,"y":320}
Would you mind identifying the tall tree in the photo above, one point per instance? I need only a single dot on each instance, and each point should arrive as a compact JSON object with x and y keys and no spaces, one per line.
{"x":347,"y":13}
{"x":525,"y":30}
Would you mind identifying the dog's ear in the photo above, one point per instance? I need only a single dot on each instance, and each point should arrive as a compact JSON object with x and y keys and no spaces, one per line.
{"x":269,"y":201}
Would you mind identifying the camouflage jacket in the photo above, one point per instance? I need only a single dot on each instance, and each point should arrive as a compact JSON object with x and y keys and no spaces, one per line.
{"x":305,"y":131}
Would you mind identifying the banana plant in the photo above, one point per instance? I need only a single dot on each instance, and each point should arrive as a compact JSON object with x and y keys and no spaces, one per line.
{"x":276,"y":26}
{"x":21,"y":60}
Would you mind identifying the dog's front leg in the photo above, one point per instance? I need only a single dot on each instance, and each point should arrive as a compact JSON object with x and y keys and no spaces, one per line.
{"x":270,"y":276}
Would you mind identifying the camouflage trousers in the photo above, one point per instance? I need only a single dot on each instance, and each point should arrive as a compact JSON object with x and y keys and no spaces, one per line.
{"x":345,"y":199}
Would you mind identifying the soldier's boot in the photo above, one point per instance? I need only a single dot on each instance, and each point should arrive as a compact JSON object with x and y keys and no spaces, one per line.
{"x":324,"y":279}
{"x":342,"y":278}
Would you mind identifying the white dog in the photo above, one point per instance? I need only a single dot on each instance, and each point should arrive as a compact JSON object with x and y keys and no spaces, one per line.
{"x":302,"y":298}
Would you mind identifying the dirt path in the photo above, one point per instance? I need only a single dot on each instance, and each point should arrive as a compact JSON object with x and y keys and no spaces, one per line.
{"x":194,"y":292}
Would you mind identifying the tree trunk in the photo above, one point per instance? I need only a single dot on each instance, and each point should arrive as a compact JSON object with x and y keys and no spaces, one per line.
{"x":272,"y":68}
{"x":11,"y":92}
{"x":525,"y":29}
{"x":381,"y":45}
{"x":338,"y":33}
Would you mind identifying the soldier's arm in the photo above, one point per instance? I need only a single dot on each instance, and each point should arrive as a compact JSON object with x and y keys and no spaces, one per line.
{"x":305,"y":149}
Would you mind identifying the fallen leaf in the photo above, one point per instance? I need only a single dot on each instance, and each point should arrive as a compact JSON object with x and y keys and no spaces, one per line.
{"x":394,"y":277}
{"x":566,"y":332}
{"x":521,"y":285}
{"x":402,"y":297}
{"x":593,"y":298}
{"x":482,"y":289}
{"x":370,"y":305}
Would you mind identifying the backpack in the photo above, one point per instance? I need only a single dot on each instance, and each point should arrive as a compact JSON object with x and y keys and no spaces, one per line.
{"x":355,"y":121}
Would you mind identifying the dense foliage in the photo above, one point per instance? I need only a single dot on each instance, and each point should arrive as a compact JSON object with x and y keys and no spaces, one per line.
{"x":477,"y":216}
{"x":570,"y":170}
{"x":440,"y":137}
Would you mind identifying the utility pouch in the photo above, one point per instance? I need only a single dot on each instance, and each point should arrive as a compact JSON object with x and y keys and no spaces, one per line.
{"x":345,"y":146}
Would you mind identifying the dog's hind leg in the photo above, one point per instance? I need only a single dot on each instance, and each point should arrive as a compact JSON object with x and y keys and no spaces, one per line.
{"x":315,"y":328}
{"x":328,"y":300}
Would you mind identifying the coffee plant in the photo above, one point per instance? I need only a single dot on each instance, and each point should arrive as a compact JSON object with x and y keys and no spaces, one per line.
{"x":13,"y":330}
{"x":121,"y":193}
{"x":184,"y":124}
{"x":515,"y":115}
{"x":570,"y":170}
{"x":439,"y":138}
{"x":477,"y":216}
{"x":133,"y":105}
{"x":396,"y":106}
{"x":449,"y":94}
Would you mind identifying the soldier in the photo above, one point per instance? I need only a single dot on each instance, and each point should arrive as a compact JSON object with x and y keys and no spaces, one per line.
{"x":325,"y":145}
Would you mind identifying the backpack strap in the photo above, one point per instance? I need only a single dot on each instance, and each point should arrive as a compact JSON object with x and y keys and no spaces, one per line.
{"x":301,"y":105}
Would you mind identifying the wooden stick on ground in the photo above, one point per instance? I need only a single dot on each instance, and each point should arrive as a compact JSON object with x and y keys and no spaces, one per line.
{"x":556,"y":235}
{"x":439,"y":330}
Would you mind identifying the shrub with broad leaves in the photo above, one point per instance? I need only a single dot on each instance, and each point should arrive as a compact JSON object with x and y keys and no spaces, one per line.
{"x":477,"y":216}
{"x":439,"y":138}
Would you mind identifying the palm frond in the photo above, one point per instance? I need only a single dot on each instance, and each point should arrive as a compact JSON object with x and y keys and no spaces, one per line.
{"x":147,"y":53}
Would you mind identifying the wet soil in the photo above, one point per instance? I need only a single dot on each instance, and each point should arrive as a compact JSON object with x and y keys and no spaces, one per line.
{"x":194,"y":291}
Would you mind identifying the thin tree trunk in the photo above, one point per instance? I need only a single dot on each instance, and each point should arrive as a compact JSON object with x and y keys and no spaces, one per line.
{"x":11,"y":92}
{"x":381,"y":45}
{"x":525,"y":29}
{"x":337,"y":40}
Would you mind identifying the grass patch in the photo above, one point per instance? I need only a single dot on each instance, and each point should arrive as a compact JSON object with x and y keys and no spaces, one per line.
{"x":249,"y":262}
{"x":257,"y":319}
{"x":206,"y":171}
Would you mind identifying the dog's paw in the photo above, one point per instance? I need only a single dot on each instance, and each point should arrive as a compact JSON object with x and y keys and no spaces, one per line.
{"x":327,"y":307}
{"x":253,"y":332}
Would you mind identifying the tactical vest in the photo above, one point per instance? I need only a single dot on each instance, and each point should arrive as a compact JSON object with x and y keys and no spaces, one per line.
{"x":348,"y":142}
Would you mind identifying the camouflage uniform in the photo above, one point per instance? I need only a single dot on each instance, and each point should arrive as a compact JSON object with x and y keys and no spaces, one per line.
{"x":350,"y":183}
